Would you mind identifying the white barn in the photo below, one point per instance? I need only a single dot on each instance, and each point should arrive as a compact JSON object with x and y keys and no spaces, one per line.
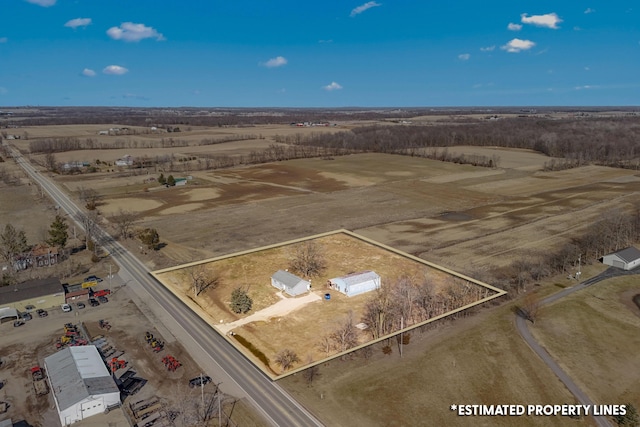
{"x":290,"y":283}
{"x":626,"y":259}
{"x":356,"y":283}
{"x":81,"y":384}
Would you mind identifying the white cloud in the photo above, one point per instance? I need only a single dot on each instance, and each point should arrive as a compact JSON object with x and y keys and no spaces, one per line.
{"x":587,"y":68}
{"x":3,"y":90}
{"x":332,"y":86}
{"x":488,"y":48}
{"x":130,"y":32}
{"x":549,"y":20}
{"x":589,"y":10}
{"x":517,"y":45}
{"x":368,"y":5}
{"x":464,"y":57}
{"x":278,"y":61}
{"x":3,"y":39}
{"x":585,"y":87}
{"x":514,"y":27}
{"x":78,"y":22}
{"x":325,"y":41}
{"x":115,"y":70}
{"x":88,"y":72}
{"x":43,"y":3}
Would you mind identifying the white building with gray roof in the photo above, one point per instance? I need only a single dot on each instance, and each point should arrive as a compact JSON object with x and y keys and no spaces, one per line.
{"x":81,"y":383}
{"x":626,"y":259}
{"x":290,"y":283}
{"x":356,"y":283}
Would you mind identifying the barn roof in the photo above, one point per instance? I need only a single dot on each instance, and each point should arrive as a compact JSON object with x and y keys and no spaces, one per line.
{"x":629,"y":254}
{"x":355,"y":278}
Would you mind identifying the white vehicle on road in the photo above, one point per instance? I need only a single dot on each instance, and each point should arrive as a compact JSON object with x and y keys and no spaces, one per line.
{"x":66,"y":308}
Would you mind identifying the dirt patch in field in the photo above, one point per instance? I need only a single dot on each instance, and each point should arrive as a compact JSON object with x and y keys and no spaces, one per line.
{"x":111,"y":206}
{"x":201,"y":194}
{"x":187,"y":207}
{"x":631,"y":300}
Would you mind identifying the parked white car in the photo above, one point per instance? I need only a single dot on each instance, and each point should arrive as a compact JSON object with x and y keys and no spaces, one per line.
{"x":66,"y":308}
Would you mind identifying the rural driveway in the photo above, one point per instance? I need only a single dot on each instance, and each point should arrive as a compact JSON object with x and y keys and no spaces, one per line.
{"x":525,"y":333}
{"x":273,"y":403}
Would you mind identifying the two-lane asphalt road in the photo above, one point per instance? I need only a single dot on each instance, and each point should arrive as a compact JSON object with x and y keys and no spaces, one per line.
{"x":276,"y":406}
{"x":523,"y":328}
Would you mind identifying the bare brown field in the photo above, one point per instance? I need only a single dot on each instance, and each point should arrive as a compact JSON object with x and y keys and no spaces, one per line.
{"x":593,"y":335}
{"x":344,"y":253}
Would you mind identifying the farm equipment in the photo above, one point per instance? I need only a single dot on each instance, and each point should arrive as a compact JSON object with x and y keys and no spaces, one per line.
{"x":171,"y":363}
{"x":39,"y":383}
{"x":156,"y":345}
{"x":71,"y":337}
{"x":116,"y":364}
{"x":104,"y":324}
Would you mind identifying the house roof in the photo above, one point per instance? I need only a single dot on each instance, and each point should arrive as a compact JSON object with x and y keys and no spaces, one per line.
{"x":629,"y":254}
{"x":30,"y":289}
{"x":288,"y":279}
{"x":356,"y":278}
{"x":43,"y":249}
{"x":77,"y":373}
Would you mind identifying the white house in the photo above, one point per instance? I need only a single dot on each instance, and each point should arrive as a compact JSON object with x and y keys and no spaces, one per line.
{"x":81,"y":384}
{"x":356,"y":283}
{"x":289,"y":283}
{"x":625,"y":259}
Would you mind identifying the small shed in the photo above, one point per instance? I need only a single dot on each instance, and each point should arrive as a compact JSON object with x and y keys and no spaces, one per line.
{"x":290,"y":283}
{"x":626,"y":259}
{"x":356,"y":283}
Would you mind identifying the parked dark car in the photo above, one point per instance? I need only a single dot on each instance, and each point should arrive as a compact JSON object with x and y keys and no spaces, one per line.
{"x":27,"y":316}
{"x":18,"y":323}
{"x":30,"y":307}
{"x":93,"y":278}
{"x":42,"y":313}
{"x":93,"y":302}
{"x":198,"y":381}
{"x":80,"y":305}
{"x":103,"y":299}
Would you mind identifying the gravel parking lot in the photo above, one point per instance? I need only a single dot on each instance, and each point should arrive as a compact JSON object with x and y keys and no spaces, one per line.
{"x":26,"y":346}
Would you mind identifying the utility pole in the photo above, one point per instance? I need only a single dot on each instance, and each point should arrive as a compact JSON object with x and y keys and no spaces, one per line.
{"x":109,"y":275}
{"x":401,"y":334}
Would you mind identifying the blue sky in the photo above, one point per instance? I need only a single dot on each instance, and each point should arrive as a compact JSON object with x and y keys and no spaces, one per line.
{"x":259,"y":53}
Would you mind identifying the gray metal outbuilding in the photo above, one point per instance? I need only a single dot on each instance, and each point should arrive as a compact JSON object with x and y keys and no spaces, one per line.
{"x":290,"y":283}
{"x":626,"y":259}
{"x":81,"y":384}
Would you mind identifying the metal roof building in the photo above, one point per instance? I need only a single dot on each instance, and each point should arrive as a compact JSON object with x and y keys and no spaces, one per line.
{"x":81,"y":383}
{"x":39,"y":293}
{"x":626,"y":259}
{"x":356,"y":283}
{"x":290,"y":283}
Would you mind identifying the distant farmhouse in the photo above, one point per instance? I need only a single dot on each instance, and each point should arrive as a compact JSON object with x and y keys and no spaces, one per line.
{"x":626,"y":259}
{"x":290,"y":283}
{"x":126,"y":160}
{"x":356,"y":283}
{"x":41,"y":255}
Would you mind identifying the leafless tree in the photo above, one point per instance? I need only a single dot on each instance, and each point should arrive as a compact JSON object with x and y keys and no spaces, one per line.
{"x":124,"y":221}
{"x":308,"y":260}
{"x":345,"y":336}
{"x":50,"y":162}
{"x":89,"y":196}
{"x":312,"y":372}
{"x":530,"y":308}
{"x":286,"y":358}
{"x":201,"y":279}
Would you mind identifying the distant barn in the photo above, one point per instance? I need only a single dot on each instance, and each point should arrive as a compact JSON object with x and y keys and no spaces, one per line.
{"x":356,"y":283}
{"x":626,"y":259}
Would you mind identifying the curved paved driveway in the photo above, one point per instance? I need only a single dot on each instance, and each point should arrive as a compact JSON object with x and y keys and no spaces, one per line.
{"x":523,"y":328}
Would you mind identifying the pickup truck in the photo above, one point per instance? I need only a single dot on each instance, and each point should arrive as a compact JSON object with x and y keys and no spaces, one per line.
{"x":100,"y":293}
{"x":39,"y":383}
